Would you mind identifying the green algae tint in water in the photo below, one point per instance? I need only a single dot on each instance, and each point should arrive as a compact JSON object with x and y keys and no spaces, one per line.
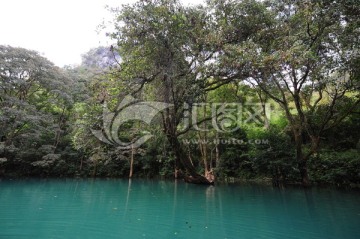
{"x":165,"y":209}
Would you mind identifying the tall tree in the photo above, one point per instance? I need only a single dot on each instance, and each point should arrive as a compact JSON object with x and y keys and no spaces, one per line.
{"x":35,"y":103}
{"x":162,"y":46}
{"x":30,"y":88}
{"x":306,"y":60}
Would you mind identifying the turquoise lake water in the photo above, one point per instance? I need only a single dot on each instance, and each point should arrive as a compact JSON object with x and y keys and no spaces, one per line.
{"x":101,"y":208}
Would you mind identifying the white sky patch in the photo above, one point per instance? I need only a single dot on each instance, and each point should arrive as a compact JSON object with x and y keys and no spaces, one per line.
{"x":61,"y":30}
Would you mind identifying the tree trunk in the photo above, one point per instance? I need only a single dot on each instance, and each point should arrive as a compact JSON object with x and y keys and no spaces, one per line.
{"x":304,"y":173}
{"x":181,"y":158}
{"x":131,"y":161}
{"x":203,"y":153}
{"x":263,"y":106}
{"x":217,"y":153}
{"x":170,"y":128}
{"x":301,"y":160}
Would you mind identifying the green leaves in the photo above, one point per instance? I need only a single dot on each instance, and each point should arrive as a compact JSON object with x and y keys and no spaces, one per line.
{"x":35,"y":100}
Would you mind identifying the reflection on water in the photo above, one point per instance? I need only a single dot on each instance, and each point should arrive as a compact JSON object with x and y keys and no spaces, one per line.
{"x":167,"y":209}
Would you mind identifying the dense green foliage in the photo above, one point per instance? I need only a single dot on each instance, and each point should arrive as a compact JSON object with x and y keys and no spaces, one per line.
{"x":290,"y":67}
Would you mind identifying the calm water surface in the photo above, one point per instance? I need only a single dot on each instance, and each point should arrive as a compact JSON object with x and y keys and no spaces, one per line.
{"x":166,"y":209}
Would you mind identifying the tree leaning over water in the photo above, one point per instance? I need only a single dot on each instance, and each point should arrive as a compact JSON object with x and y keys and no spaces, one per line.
{"x":158,"y":44}
{"x":175,"y":50}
